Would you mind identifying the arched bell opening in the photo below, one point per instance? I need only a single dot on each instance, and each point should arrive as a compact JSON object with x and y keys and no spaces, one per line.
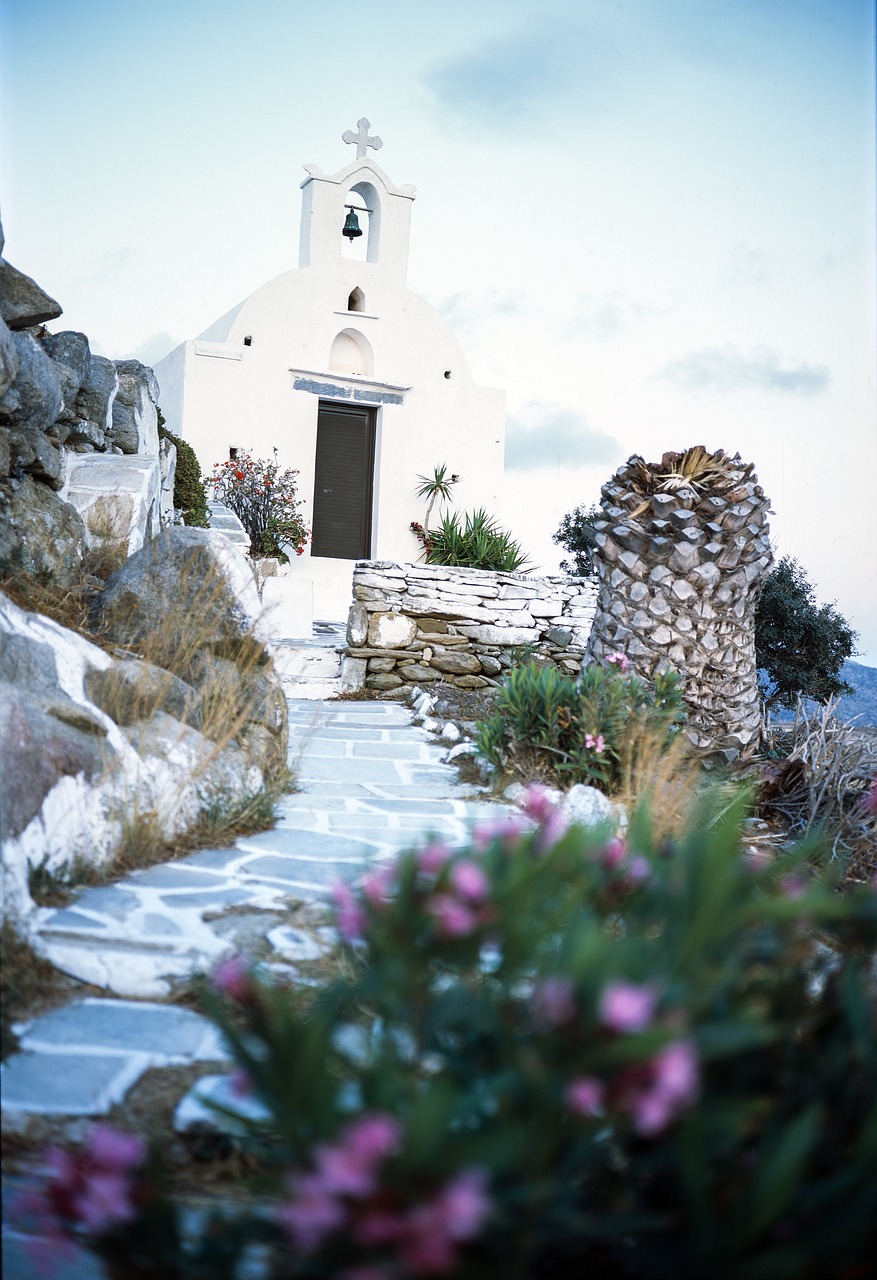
{"x":361,"y":225}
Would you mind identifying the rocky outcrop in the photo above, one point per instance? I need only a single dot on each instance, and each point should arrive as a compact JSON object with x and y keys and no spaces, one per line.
{"x":682,"y":549}
{"x":93,"y":744}
{"x":78,"y":426}
{"x":135,"y":409}
{"x":185,"y":578}
{"x":415,"y":624}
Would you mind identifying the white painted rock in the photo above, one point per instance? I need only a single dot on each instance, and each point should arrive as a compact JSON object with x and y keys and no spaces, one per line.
{"x":390,"y":631}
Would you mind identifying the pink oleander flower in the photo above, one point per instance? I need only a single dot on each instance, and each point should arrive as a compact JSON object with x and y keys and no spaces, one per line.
{"x":378,"y":887}
{"x":554,"y":1002}
{"x":91,"y":1189}
{"x":434,"y":1230}
{"x":540,"y":807}
{"x":620,"y":660}
{"x":349,"y":913}
{"x":469,"y":881}
{"x":454,"y":918}
{"x":638,"y":869}
{"x":233,"y":978}
{"x":506,"y":830}
{"x":585,"y":1096}
{"x":595,"y":743}
{"x":793,"y":886}
{"x":432,"y":857}
{"x":115,"y":1150}
{"x":373,"y":1137}
{"x":659,"y":1090}
{"x":345,"y":1170}
{"x":313,"y":1213}
{"x":538,"y":803}
{"x":626,"y":1007}
{"x":614,"y":854}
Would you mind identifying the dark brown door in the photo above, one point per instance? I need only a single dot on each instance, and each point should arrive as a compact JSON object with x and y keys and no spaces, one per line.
{"x":343,"y":481}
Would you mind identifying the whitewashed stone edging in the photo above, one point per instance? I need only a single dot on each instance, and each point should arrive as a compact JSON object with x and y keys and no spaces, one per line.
{"x":417,"y":623}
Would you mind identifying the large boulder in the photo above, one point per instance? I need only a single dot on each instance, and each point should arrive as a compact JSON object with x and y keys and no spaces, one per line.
{"x":40,"y":534}
{"x":186,"y":590}
{"x":23,"y":303}
{"x":94,"y":402}
{"x":72,"y":350}
{"x":135,"y":409}
{"x":35,"y":398}
{"x":8,"y":357}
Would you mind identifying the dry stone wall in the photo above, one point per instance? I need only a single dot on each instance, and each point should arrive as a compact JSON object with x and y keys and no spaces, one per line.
{"x":416,"y":624}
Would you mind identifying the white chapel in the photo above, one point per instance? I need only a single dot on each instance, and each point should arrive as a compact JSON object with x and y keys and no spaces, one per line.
{"x":355,"y":380}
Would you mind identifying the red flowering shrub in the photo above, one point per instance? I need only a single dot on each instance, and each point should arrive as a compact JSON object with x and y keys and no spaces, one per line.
{"x":265,"y":500}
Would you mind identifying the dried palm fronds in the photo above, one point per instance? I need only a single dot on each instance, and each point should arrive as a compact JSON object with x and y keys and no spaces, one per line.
{"x":823,"y":783}
{"x":695,"y":468}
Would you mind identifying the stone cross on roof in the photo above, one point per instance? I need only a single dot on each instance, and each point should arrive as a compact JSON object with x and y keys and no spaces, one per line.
{"x":361,"y":138}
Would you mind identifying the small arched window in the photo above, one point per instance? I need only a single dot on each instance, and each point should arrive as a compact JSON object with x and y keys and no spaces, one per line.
{"x":356,"y":301}
{"x":351,"y":353}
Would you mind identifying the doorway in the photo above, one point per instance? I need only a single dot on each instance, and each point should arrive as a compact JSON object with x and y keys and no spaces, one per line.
{"x":343,"y":482}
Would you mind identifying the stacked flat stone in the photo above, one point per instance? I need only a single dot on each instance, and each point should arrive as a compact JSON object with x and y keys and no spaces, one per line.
{"x":680,"y":573}
{"x":415,"y":624}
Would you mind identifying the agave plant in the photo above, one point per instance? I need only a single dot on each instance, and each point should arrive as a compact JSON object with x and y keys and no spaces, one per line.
{"x":475,"y":541}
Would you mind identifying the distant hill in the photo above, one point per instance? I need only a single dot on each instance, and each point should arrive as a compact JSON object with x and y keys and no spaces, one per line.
{"x":861,"y":704}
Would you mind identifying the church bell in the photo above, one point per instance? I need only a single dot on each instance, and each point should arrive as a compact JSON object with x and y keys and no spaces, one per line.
{"x":351,"y":225}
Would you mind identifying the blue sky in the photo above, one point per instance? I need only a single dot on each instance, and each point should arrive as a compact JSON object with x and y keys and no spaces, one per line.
{"x":651,"y":222}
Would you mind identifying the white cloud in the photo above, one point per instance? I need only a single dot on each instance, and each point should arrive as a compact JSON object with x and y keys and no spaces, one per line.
{"x":555,"y":437}
{"x":727,"y":369}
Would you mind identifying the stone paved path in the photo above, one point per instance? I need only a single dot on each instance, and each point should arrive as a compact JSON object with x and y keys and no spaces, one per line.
{"x":371,"y":782}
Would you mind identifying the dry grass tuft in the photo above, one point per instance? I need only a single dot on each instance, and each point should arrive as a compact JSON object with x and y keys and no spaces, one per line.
{"x":24,"y":978}
{"x":670,"y":776}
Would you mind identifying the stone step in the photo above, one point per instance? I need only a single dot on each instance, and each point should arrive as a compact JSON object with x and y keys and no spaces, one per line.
{"x":313,"y":670}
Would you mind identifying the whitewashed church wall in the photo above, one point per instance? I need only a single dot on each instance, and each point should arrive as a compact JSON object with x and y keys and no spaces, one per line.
{"x":237,"y":395}
{"x":417,"y":623}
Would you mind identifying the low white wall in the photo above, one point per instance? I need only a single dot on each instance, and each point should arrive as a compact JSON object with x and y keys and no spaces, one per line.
{"x":419,"y":623}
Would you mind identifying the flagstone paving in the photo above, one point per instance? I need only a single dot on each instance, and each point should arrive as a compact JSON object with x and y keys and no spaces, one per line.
{"x":370,"y":783}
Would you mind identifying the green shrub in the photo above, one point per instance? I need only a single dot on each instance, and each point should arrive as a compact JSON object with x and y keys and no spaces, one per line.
{"x":188,"y":484}
{"x":576,"y":534}
{"x":550,"y":725}
{"x":550,"y":1055}
{"x":473,"y":540}
{"x":800,"y":646}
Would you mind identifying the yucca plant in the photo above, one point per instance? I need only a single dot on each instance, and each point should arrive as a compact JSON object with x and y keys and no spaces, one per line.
{"x":474,"y":541}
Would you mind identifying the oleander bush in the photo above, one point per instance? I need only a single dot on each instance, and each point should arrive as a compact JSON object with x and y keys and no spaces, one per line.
{"x":567,"y":730}
{"x":549,"y":1053}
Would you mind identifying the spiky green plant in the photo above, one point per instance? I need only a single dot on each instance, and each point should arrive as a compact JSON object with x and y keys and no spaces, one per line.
{"x":474,"y":541}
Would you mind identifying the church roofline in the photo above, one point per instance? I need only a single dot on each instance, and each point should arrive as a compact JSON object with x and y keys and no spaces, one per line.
{"x":364,"y":165}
